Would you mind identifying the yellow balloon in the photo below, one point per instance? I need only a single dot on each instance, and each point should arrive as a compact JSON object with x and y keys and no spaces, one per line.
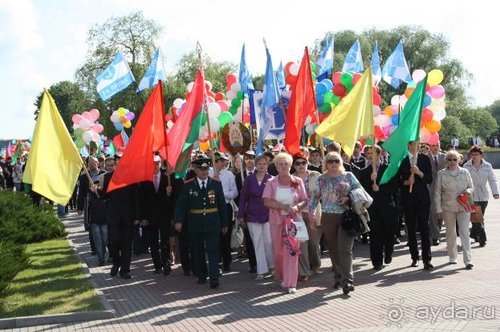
{"x":387,"y":111}
{"x":204,"y":146}
{"x":433,"y":126}
{"x":435,"y":77}
{"x":121,"y":111}
{"x":127,"y":124}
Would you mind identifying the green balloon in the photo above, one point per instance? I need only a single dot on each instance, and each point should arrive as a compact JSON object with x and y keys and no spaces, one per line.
{"x":313,"y":66}
{"x":233,"y":110}
{"x":224,"y":118}
{"x":335,"y":99}
{"x":328,"y":97}
{"x":326,"y":108}
{"x":346,"y":79}
{"x":240,"y":95}
{"x":236,"y":102}
{"x":78,"y":132}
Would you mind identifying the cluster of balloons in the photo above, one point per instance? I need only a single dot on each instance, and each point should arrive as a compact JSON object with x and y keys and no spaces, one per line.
{"x":292,"y":70}
{"x":86,"y":128}
{"x":122,"y":118}
{"x":433,"y":112}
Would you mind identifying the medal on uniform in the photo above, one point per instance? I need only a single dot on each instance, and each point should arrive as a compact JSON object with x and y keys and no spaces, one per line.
{"x":211,"y":196}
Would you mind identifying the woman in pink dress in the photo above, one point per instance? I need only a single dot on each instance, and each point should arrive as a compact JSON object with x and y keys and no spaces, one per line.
{"x":285,"y":196}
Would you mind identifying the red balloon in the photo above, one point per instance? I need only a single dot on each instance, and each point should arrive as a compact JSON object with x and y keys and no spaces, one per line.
{"x":339,"y":90}
{"x":427,"y":115}
{"x":336,"y":77}
{"x":378,"y":132}
{"x":377,"y":100}
{"x":230,"y":79}
{"x":355,"y":78}
{"x":219,"y":96}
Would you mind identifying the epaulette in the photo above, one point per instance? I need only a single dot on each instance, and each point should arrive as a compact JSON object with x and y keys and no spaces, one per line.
{"x":189,"y":180}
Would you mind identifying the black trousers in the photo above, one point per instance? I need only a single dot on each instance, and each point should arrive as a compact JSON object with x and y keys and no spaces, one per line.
{"x":477,"y":231}
{"x":158,"y":237}
{"x":208,"y":243}
{"x":417,"y":219}
{"x":185,"y":249}
{"x":383,"y":225}
{"x":121,"y":245}
{"x":225,"y":240}
{"x":252,"y":261}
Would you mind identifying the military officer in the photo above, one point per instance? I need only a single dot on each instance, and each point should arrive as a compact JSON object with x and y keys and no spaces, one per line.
{"x":202,"y":203}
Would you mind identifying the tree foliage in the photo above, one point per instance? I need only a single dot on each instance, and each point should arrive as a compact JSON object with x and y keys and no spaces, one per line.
{"x":69,"y":98}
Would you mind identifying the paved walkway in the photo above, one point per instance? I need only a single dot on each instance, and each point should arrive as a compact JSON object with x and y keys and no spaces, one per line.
{"x":398,"y":297}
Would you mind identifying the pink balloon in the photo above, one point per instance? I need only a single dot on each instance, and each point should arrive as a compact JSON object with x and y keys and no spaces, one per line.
{"x":433,"y":139}
{"x":86,"y":115}
{"x":230,"y":79}
{"x":387,"y":131}
{"x":95,"y":114}
{"x":224,"y":106}
{"x":98,"y":128}
{"x":76,"y":118}
{"x":436,"y":91}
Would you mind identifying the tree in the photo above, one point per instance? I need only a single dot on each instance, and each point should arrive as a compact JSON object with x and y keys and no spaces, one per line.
{"x":494,"y":110}
{"x":137,"y":38}
{"x":452,"y":126}
{"x":69,"y":99}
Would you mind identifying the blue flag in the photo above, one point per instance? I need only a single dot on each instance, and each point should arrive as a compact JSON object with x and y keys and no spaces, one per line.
{"x":325,"y":61}
{"x":244,"y":75}
{"x":116,"y":77}
{"x":395,"y":68}
{"x":277,"y":129}
{"x":280,"y":76}
{"x":269,"y":101}
{"x":155,"y":72}
{"x":353,"y":61}
{"x":377,"y":73}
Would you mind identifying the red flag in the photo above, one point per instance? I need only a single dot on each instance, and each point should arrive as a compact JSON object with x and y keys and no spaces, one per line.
{"x":302,"y":104}
{"x":149,"y":135}
{"x":186,"y":129}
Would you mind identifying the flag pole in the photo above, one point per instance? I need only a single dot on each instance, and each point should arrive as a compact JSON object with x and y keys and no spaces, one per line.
{"x":169,"y":182}
{"x":91,"y":182}
{"x":204,"y":109}
{"x":413,"y":164}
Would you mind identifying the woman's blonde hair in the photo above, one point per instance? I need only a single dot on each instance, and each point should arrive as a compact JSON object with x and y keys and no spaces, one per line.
{"x":333,"y":156}
{"x":283,"y":156}
{"x":451,"y":154}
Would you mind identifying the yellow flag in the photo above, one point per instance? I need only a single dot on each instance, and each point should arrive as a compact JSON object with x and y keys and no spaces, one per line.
{"x":352,"y":118}
{"x":54,"y":162}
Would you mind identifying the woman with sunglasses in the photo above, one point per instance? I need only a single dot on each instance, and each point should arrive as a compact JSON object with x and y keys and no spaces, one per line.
{"x":452,"y":182}
{"x":333,"y":189}
{"x":310,"y":257}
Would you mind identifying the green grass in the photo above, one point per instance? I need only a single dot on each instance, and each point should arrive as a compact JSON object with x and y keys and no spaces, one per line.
{"x":52,"y":283}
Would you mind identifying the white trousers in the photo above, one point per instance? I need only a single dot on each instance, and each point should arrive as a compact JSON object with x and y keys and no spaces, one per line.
{"x":451,"y":219}
{"x":263,"y":245}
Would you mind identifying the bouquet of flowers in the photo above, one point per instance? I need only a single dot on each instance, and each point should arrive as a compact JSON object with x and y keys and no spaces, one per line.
{"x":465,"y":200}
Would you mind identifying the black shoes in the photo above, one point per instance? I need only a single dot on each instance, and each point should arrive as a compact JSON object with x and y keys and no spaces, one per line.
{"x":158,"y":270}
{"x":428,"y":266}
{"x":114,"y":270}
{"x":435,"y":242}
{"x":252,"y":269}
{"x":347,"y":288}
{"x":414,"y":263}
{"x":469,"y":266}
{"x":202,"y":281}
{"x":378,"y":267}
{"x":214,"y":283}
{"x":125,"y":275}
{"x":336,"y":285}
{"x":166,"y":270}
{"x":388,"y":259}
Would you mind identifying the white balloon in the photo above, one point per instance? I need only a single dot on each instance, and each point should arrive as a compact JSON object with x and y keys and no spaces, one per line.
{"x":294,"y":69}
{"x":178,"y":103}
{"x":402,"y":100}
{"x":85,"y":124}
{"x":310,"y":128}
{"x":376,"y":110}
{"x":308,"y":120}
{"x":235,"y":87}
{"x":115,"y":117}
{"x":382,"y":120}
{"x":418,"y":75}
{"x":190,"y":86}
{"x":203,"y":133}
{"x":209,"y":85}
{"x":214,"y":125}
{"x":395,"y":100}
{"x":231,"y":94}
{"x":237,"y":117}
{"x":439,"y":114}
{"x":87,"y":137}
{"x":76,"y":125}
{"x":213,"y":110}
{"x":95,"y":136}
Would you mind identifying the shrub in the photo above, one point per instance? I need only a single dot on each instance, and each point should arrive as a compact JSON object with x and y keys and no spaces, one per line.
{"x":12,"y":260}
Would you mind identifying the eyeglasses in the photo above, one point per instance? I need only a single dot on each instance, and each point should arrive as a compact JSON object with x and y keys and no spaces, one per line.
{"x":333,"y":161}
{"x":452,"y":159}
{"x":298,"y":163}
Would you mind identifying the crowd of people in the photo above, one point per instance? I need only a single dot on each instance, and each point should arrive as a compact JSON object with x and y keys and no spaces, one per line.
{"x":291,"y":210}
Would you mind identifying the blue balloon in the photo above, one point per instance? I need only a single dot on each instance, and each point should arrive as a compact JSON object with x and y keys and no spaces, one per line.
{"x":320,"y":99}
{"x":395,"y":119}
{"x":328,"y":83}
{"x":321,"y":88}
{"x":118,"y":126}
{"x":427,"y":100}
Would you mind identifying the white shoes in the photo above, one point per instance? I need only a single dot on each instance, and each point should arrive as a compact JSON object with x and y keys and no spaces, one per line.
{"x":292,"y":290}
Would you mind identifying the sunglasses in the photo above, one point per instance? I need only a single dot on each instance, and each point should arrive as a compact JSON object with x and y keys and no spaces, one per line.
{"x":298,"y":163}
{"x":452,"y":159}
{"x":333,"y":161}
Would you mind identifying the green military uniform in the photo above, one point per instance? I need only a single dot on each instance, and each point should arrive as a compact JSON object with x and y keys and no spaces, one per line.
{"x":204,"y":210}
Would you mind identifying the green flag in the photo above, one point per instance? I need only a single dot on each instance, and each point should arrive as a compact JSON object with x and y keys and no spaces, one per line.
{"x":407,"y":131}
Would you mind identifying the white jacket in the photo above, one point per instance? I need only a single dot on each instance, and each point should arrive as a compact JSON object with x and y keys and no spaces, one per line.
{"x":480,"y":176}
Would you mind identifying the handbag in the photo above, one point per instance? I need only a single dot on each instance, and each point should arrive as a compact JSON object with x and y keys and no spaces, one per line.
{"x":237,"y":237}
{"x":301,"y":234}
{"x":351,"y":223}
{"x":476,"y":215}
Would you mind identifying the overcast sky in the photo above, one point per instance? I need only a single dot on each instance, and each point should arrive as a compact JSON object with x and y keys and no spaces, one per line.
{"x":43,"y":42}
